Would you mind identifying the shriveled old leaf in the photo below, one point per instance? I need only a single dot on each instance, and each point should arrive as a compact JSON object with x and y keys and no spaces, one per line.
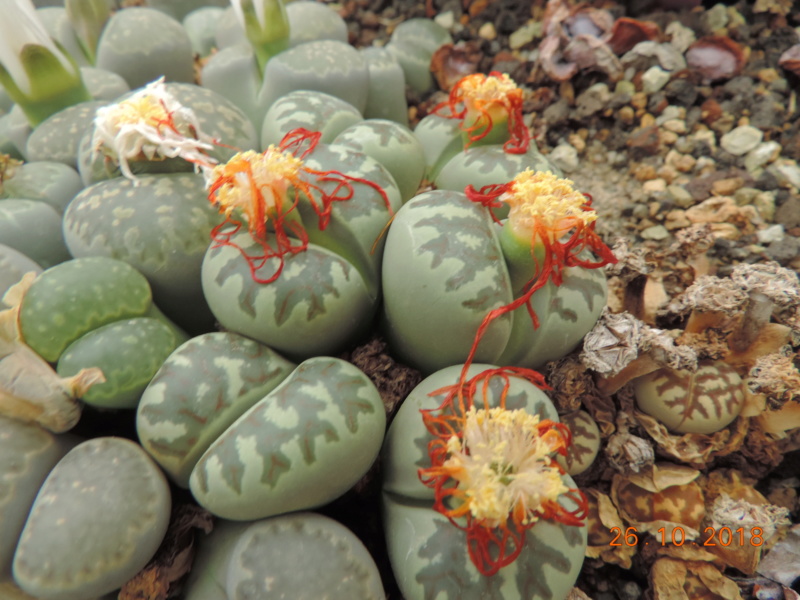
{"x":672,"y":579}
{"x":695,"y":449}
{"x":604,"y":521}
{"x":30,"y":390}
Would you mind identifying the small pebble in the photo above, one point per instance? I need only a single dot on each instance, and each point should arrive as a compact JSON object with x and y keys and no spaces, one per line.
{"x":626,"y":115}
{"x":741,"y":140}
{"x":524,"y":35}
{"x":593,"y":100}
{"x":487,"y":31}
{"x":773,"y":233}
{"x":675,"y":126}
{"x":681,"y":37}
{"x":446,"y":19}
{"x":762,"y":154}
{"x":654,"y":79}
{"x":727,"y":186}
{"x":788,"y":213}
{"x":786,"y":172}
{"x":680,"y":196}
{"x":716,"y":17}
{"x":577,"y":142}
{"x":656,"y":232}
{"x":644,"y":172}
{"x":565,"y":157}
{"x":764,"y":203}
{"x":654,"y":186}
{"x":785,"y":250}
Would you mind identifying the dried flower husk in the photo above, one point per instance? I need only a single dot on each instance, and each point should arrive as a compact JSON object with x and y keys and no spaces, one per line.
{"x":666,"y":497}
{"x":30,"y":390}
{"x":734,"y":503}
{"x":451,"y":63}
{"x":602,"y":517}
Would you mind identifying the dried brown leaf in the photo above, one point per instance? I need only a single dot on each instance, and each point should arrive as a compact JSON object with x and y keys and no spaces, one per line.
{"x":777,"y":377}
{"x":695,"y":449}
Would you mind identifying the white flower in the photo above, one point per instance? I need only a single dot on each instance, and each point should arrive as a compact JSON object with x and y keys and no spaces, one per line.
{"x":150,"y":124}
{"x":503,"y":466}
{"x":20,"y":28}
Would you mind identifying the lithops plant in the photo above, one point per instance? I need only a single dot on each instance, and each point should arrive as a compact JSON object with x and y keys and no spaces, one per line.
{"x":71,"y":299}
{"x":475,"y":504}
{"x":199,"y":391}
{"x":457,"y":286}
{"x":105,"y":497}
{"x":296,"y":264}
{"x":477,"y":136}
{"x":327,"y":66}
{"x":34,"y":229}
{"x":51,"y":182}
{"x":13,"y":265}
{"x":392,"y":145}
{"x":585,"y":442}
{"x":27,"y":454}
{"x":412,"y":44}
{"x":704,"y":401}
{"x":275,"y":556}
{"x":386,"y":98}
{"x":128,"y":352}
{"x":303,"y":445}
{"x":132,"y":36}
{"x":160,"y":225}
{"x":314,"y":111}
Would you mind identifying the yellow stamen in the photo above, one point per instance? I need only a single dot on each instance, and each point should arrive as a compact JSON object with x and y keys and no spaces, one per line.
{"x":503,"y":466}
{"x":480,"y":88}
{"x":256,"y":183}
{"x":541,"y":197}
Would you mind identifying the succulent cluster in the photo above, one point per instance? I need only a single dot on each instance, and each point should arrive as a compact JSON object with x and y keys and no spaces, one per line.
{"x":198,"y":258}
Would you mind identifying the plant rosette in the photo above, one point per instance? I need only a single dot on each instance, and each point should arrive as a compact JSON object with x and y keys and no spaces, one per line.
{"x":296,"y":263}
{"x":459,"y":286}
{"x":475,"y":503}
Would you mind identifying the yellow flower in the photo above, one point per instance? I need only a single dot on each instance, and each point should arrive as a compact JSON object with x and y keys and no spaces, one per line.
{"x":504,"y":466}
{"x":543,"y":199}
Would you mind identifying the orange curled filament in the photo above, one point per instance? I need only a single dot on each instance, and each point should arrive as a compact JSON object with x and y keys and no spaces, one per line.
{"x":265,"y":188}
{"x":497,"y":485}
{"x":479,"y":100}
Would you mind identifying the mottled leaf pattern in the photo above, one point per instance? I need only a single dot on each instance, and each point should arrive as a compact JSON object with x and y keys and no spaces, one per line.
{"x":446,"y":574}
{"x":466,"y":238}
{"x":538,"y":554}
{"x":200,"y":380}
{"x":309,"y":391}
{"x":307,"y":277}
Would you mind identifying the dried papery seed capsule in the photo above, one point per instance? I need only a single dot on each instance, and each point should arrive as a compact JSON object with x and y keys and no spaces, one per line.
{"x":704,"y":401}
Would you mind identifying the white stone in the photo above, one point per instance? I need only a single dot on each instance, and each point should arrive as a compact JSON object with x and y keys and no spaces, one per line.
{"x":656,"y":232}
{"x":669,"y":113}
{"x":446,"y":19}
{"x":565,"y":157}
{"x":524,"y":35}
{"x":680,"y":195}
{"x":487,"y":31}
{"x":762,"y":154}
{"x":741,"y":140}
{"x":680,"y":37}
{"x":787,"y":172}
{"x":717,"y":17}
{"x":773,"y":233}
{"x":654,"y":79}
